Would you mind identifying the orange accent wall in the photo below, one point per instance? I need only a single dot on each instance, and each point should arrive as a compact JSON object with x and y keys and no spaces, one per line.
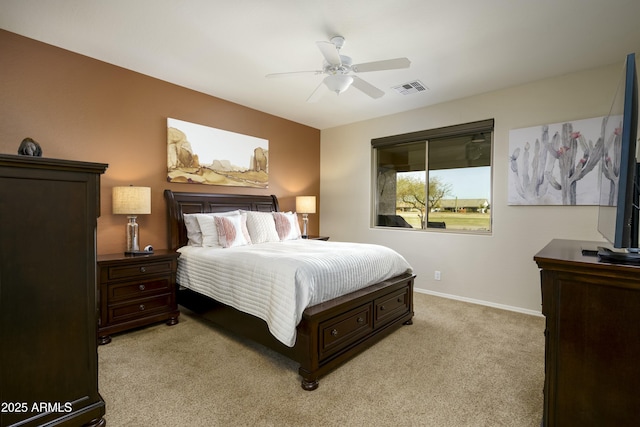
{"x":79,"y":108}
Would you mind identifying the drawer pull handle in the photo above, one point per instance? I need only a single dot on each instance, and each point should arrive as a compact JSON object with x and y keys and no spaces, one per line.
{"x":382,"y":308}
{"x":360,"y":320}
{"x":141,"y":307}
{"x":141,"y":287}
{"x":399,"y":299}
{"x":334,"y":333}
{"x":143,"y":270}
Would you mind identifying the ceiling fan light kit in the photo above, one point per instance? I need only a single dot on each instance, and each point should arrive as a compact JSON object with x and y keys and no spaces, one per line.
{"x":338,"y":83}
{"x":338,"y":68}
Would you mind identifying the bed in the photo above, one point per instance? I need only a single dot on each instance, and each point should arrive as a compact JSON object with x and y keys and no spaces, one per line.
{"x":328,"y":333}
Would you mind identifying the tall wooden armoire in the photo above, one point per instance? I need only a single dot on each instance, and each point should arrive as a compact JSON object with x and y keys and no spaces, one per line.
{"x":48,"y":309}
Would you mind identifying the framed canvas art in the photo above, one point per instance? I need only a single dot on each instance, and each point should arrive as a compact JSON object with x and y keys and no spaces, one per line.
{"x":556,"y":164}
{"x":198,"y":154}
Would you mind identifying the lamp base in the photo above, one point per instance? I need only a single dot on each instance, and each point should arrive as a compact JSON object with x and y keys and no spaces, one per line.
{"x":138,"y":253}
{"x":305,"y":222}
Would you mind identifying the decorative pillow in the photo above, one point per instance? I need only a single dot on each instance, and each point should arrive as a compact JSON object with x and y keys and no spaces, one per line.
{"x":195,"y":222}
{"x":262,"y":227}
{"x":287,"y":225}
{"x":232,"y":230}
{"x":193,"y":229}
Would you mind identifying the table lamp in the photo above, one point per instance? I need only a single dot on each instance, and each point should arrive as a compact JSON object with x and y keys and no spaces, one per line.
{"x":132,"y":201}
{"x":305,"y":205}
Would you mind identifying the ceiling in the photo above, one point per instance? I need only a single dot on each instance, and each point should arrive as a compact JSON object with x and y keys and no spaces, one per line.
{"x":457,"y":48}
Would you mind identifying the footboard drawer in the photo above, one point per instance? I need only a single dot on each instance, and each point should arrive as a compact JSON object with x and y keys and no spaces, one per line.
{"x":340,"y":331}
{"x":391,"y":306}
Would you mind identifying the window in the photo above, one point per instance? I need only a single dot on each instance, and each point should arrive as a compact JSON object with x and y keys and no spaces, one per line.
{"x":437,"y":179}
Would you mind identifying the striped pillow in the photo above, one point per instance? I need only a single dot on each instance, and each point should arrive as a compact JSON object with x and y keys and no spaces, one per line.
{"x":262,"y":227}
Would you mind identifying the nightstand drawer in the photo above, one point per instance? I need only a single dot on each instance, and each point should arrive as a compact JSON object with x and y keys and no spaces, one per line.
{"x":141,"y":269}
{"x":139,"y":289}
{"x":140,"y":308}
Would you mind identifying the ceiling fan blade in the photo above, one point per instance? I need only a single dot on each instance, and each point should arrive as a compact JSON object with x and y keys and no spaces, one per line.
{"x":318,"y":93}
{"x":292,"y":73}
{"x":367,"y":88}
{"x":330,"y":53}
{"x":389,"y":64}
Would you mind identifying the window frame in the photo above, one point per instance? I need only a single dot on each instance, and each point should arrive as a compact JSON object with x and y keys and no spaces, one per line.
{"x":481,"y":126}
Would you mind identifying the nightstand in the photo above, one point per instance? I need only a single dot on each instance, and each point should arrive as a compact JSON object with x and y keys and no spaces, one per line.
{"x":325,"y":238}
{"x":135,"y":291}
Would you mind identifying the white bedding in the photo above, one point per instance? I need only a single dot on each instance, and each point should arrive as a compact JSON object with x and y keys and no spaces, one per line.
{"x":276,"y":281}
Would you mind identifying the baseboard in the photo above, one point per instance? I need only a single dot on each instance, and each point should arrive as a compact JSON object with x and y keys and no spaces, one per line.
{"x":480,"y":302}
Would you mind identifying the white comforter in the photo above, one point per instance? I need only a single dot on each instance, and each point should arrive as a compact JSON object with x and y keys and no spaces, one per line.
{"x":277,"y":281}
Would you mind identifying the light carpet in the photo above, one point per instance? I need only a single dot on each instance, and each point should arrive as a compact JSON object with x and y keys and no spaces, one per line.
{"x":459,"y":364}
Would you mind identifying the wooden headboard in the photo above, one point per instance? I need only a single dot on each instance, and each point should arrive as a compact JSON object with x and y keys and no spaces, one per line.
{"x":185,"y":203}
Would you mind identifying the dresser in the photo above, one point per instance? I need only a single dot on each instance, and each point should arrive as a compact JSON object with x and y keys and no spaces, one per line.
{"x":592,"y":338}
{"x":48,"y":309}
{"x":136,"y":291}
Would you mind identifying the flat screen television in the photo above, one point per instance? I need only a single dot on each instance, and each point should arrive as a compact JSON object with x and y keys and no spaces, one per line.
{"x":618,"y":218}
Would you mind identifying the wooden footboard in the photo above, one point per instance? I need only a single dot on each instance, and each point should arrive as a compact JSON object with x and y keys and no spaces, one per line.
{"x":335,"y":331}
{"x":330,"y":333}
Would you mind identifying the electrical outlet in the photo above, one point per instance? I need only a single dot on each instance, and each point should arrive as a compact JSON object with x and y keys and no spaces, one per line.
{"x":436,"y":275}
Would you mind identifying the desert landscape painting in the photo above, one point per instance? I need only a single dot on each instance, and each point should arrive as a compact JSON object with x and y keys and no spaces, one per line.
{"x":198,"y":154}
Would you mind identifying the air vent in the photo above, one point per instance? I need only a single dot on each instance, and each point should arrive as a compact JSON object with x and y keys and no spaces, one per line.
{"x":409,"y":88}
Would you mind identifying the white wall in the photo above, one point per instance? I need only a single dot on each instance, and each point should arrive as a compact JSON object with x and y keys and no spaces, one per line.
{"x":496,"y":269}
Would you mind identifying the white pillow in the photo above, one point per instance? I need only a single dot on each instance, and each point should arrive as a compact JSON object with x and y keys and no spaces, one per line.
{"x":262,"y":227}
{"x":287,"y":225}
{"x":232,"y":230}
{"x":194,"y":233}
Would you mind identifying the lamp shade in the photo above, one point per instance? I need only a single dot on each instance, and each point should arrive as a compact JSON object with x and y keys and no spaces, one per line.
{"x":131,"y":200}
{"x":306,"y":204}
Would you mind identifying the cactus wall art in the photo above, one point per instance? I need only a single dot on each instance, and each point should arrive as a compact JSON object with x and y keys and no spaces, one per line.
{"x":557,"y":164}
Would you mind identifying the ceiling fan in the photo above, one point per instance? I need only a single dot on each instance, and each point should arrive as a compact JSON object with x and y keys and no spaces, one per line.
{"x":339,"y":69}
